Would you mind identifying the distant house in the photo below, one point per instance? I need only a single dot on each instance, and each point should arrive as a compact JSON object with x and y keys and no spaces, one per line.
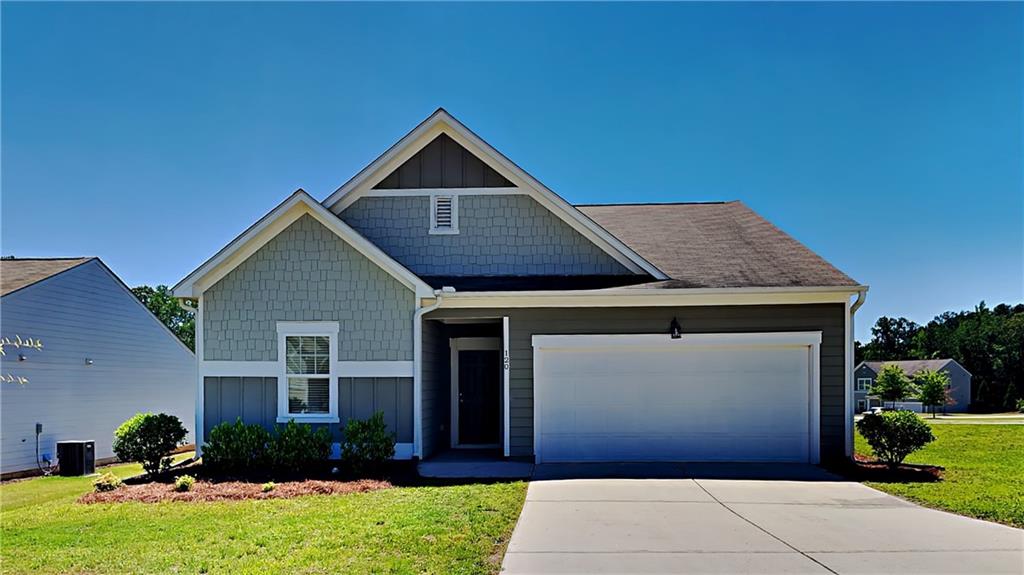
{"x":959,"y":388}
{"x":103,"y":358}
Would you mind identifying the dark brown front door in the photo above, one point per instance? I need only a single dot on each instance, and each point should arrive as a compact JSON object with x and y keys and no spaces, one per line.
{"x":479,"y":386}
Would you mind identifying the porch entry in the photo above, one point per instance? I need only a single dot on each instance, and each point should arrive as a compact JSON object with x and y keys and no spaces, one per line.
{"x":476,"y":392}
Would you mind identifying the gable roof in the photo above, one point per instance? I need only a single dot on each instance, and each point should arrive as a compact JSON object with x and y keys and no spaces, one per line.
{"x":911,"y":366}
{"x":441,"y":122}
{"x":274,"y":222}
{"x":715,"y":245}
{"x":444,"y":164}
{"x":18,"y":273}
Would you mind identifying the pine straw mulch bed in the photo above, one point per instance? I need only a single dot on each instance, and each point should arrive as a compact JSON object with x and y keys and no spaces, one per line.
{"x":865,"y":468}
{"x":202,"y":490}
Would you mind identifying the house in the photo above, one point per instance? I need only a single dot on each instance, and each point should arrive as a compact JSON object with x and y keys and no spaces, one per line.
{"x":959,"y":383}
{"x":448,"y":288}
{"x":81,"y":355}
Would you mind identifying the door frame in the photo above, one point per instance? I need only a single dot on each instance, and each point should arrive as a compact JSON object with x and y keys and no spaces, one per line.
{"x":811,"y":340}
{"x":458,"y":344}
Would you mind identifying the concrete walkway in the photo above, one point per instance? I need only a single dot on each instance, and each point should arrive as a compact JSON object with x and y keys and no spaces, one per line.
{"x":706,"y":525}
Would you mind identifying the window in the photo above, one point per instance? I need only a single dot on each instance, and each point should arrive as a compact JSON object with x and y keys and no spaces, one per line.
{"x":307,"y":388}
{"x":444,"y":214}
{"x":863,"y":383}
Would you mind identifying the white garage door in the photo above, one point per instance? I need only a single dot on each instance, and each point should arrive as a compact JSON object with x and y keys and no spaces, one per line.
{"x":706,"y":397}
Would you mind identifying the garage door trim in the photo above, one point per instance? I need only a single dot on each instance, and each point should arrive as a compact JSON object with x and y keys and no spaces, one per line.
{"x":809,"y":339}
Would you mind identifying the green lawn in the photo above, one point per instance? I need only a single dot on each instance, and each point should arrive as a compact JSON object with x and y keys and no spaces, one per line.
{"x":984,"y":472}
{"x":449,"y":529}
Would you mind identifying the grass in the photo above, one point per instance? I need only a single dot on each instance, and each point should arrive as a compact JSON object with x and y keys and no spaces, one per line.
{"x":984,"y":475}
{"x":434,"y":529}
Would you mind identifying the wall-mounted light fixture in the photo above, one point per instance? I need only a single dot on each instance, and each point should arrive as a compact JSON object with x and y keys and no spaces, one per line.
{"x":675,"y":330}
{"x":88,"y":361}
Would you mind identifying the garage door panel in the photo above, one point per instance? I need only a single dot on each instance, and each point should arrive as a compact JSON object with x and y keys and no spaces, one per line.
{"x":673,"y":402}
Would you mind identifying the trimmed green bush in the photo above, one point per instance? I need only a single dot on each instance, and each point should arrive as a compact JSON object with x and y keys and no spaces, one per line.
{"x":296,"y":447}
{"x":236,"y":447}
{"x":893,"y":435}
{"x":107,"y":482}
{"x":368,"y":444}
{"x":149,"y":439}
{"x":184,"y":483}
{"x":268,"y":487}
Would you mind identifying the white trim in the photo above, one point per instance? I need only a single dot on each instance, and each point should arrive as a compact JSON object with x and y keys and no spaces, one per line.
{"x":329,"y":329}
{"x":689,"y":339}
{"x":342,"y":368}
{"x":454,"y":228}
{"x":376,"y":369}
{"x":506,"y":371}
{"x":200,"y":381}
{"x":442,"y":122}
{"x":458,"y":344}
{"x":636,"y":297}
{"x":857,"y":384}
{"x":269,"y":226}
{"x":811,"y":339}
{"x":417,"y":192}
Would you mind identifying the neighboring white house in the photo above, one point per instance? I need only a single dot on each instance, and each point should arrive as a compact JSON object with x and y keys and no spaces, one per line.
{"x":104,"y":357}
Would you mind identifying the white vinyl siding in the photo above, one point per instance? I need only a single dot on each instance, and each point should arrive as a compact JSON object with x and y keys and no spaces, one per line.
{"x":137,"y":365}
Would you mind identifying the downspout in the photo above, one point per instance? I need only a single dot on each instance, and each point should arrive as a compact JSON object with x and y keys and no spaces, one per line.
{"x":417,"y":368}
{"x":861,"y":297}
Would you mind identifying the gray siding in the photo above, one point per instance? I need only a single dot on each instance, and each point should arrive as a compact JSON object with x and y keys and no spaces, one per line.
{"x":498,"y":236}
{"x":254,"y":399}
{"x":443,"y":163}
{"x":138,"y":365}
{"x":436,"y":406}
{"x":524,"y":323}
{"x":307,"y":273}
{"x":959,"y":387}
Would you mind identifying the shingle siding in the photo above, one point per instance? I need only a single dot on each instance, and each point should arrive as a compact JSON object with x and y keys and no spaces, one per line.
{"x":307,"y":273}
{"x":498,"y":235}
{"x":525,"y":323}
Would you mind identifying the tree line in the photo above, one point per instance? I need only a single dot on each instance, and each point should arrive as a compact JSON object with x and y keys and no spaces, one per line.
{"x":988,"y":342}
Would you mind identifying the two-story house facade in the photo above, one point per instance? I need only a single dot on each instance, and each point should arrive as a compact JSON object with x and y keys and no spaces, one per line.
{"x":958,"y":391}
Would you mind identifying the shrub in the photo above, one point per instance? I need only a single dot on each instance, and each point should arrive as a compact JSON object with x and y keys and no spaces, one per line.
{"x":236,"y":447}
{"x":893,"y":435}
{"x":268,"y":487}
{"x":368,"y":444}
{"x":184,"y":483}
{"x":1020,"y":405}
{"x":107,"y":482}
{"x":149,"y":439}
{"x":296,"y":446}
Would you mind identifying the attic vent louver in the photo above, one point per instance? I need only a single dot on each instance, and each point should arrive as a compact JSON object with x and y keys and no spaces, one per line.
{"x":444,"y":214}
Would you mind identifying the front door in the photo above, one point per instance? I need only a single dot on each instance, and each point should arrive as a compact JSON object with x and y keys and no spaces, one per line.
{"x":479,"y":387}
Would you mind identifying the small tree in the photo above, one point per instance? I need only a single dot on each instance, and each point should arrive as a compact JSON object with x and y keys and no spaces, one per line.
{"x":894,"y":435}
{"x":933,"y":388}
{"x":149,"y":439}
{"x":892,"y":384}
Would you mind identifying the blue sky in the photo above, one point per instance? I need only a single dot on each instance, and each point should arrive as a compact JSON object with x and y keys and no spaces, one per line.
{"x":886,"y":137}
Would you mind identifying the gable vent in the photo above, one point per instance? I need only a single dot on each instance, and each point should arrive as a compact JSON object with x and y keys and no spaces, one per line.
{"x":444,"y":218}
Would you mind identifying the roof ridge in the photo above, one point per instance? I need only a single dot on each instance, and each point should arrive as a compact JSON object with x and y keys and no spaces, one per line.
{"x":711,"y":202}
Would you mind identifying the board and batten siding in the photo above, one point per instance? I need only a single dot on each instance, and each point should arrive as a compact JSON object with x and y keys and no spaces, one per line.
{"x":254,"y":400}
{"x":137,"y":365}
{"x":307,"y":273}
{"x":525,"y":323}
{"x":499,"y":235}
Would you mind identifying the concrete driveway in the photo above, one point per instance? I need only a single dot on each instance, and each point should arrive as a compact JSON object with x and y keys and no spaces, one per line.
{"x":703,"y":524}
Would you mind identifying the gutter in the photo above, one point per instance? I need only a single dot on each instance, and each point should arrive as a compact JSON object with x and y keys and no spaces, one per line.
{"x":417,"y":367}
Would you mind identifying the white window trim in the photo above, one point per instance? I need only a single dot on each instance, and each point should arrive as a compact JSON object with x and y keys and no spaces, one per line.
{"x":866,"y":387}
{"x":454,"y":229}
{"x":329,"y":329}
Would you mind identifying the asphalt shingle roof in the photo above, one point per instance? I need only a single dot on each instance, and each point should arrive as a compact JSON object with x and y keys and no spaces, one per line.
{"x":910,"y":366}
{"x":16,"y":273}
{"x":715,"y":245}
